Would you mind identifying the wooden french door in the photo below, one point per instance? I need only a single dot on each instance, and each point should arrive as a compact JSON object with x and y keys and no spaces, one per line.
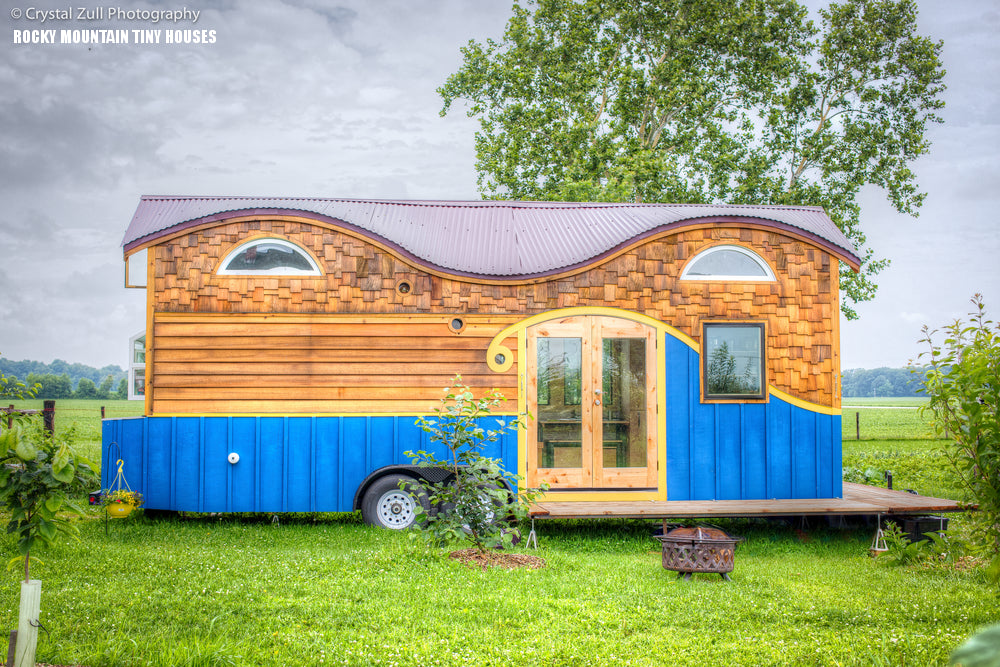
{"x":591,"y":383}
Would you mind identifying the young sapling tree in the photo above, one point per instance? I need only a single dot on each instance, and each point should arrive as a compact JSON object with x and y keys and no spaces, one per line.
{"x":475,"y":502}
{"x":39,"y":474}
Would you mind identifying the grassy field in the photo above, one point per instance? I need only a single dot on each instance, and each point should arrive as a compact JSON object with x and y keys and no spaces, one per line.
{"x":898,"y":439}
{"x":327,"y":590}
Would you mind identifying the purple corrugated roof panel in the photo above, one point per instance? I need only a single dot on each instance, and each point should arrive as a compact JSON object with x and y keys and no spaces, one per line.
{"x":503,"y":240}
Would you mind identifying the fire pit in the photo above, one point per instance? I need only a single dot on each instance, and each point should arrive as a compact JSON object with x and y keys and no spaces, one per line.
{"x":699,"y":549}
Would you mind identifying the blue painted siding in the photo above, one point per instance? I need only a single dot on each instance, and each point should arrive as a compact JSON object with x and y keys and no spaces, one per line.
{"x":730,"y":451}
{"x":287,"y":464}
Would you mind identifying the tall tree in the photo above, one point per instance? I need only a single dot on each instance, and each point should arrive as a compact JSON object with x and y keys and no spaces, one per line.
{"x":737,"y":101}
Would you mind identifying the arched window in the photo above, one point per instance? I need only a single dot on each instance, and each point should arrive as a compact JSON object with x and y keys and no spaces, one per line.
{"x":727,"y":262}
{"x":268,"y":257}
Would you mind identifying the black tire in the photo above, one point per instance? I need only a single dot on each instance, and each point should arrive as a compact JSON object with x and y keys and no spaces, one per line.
{"x":386,"y":505}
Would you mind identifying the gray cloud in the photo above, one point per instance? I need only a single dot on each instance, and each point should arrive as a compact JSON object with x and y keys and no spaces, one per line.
{"x":314,"y":98}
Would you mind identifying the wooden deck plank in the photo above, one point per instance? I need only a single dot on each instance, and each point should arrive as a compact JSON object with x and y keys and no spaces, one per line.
{"x":858,"y":499}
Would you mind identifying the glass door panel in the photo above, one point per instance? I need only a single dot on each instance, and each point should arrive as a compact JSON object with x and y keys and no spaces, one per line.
{"x":559,"y":415}
{"x":623,"y":398}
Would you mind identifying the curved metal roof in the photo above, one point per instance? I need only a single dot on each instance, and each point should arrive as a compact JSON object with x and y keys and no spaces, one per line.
{"x":503,"y":240}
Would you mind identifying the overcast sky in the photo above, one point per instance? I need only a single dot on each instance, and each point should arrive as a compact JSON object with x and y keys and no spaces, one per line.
{"x":323,"y":99}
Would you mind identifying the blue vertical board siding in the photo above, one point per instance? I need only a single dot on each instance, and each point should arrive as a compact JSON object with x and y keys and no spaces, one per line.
{"x":779,"y":450}
{"x":805,"y":449}
{"x":243,"y":476}
{"x":286,"y":464}
{"x":186,"y":464}
{"x":734,"y":451}
{"x":157,"y":472}
{"x":354,"y":456}
{"x":753,"y":464}
{"x":215,"y":479}
{"x":327,"y":453}
{"x":122,"y":440}
{"x":678,"y":408}
{"x":730,"y":459}
{"x":836,"y":460}
{"x":271,"y":467}
{"x":703,"y":445}
{"x":298,"y":464}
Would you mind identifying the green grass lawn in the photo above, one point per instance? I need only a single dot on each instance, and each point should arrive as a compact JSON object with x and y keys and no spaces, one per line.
{"x":327,"y":590}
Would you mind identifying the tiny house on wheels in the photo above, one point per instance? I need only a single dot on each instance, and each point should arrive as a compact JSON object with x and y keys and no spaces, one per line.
{"x":663,"y":352}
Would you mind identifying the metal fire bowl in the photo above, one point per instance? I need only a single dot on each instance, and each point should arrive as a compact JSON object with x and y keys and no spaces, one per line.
{"x":699,"y":549}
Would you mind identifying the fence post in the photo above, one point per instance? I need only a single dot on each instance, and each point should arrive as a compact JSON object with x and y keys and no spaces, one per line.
{"x":10,"y":417}
{"x":857,"y":425}
{"x":49,"y":416}
{"x":102,"y":412}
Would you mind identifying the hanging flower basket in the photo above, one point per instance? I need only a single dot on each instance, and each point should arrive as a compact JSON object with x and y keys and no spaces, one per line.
{"x":119,"y":510}
{"x":119,"y":504}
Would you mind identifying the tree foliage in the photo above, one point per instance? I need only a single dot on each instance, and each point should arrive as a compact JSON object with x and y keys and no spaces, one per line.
{"x":58,"y":379}
{"x":871,"y":382}
{"x":724,"y":378}
{"x":963,"y":385}
{"x":736,"y":101}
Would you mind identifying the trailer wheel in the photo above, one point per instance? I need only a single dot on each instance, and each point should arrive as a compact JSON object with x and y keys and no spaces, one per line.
{"x":388,"y":506}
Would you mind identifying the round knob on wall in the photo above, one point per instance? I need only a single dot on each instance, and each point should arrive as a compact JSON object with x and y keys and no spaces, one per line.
{"x":234,"y":458}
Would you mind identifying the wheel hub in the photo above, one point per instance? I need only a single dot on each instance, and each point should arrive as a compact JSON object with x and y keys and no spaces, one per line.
{"x":395,"y":509}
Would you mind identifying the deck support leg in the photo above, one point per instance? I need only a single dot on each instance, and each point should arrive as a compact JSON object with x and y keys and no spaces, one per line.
{"x":532,"y":536}
{"x":878,"y":544}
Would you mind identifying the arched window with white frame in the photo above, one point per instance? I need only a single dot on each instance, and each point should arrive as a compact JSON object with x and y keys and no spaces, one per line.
{"x":728,"y":262}
{"x":268,"y":256}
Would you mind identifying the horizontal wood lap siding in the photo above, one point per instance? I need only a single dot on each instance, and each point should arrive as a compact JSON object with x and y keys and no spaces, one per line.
{"x":285,"y":364}
{"x":286,"y":464}
{"x":724,"y":451}
{"x":801,"y":307}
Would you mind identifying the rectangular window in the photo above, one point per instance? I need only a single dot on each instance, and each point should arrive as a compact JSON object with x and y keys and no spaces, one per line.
{"x":732,"y":357}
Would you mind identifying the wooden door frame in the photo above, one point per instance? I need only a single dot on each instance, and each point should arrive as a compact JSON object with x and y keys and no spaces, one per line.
{"x":592,"y":331}
{"x":501,"y":358}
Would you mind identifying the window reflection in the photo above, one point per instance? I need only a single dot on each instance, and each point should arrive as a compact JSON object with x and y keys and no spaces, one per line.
{"x":269,"y":256}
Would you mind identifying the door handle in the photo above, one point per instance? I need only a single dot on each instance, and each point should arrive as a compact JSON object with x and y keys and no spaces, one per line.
{"x":597,"y":401}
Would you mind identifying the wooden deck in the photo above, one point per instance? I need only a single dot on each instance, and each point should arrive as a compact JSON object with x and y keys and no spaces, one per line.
{"x":858,"y":499}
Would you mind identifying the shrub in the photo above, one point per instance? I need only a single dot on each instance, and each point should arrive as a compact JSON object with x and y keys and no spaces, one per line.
{"x":963,"y":384}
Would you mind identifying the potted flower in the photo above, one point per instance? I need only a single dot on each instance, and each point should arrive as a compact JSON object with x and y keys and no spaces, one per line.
{"x":120,"y":503}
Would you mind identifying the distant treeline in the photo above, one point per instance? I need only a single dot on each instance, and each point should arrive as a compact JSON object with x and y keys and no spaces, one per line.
{"x":867,"y":382}
{"x":64,"y":380}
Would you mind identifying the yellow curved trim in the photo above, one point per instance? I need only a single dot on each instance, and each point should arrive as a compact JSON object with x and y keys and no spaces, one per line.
{"x":799,"y":403}
{"x":518,"y":329}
